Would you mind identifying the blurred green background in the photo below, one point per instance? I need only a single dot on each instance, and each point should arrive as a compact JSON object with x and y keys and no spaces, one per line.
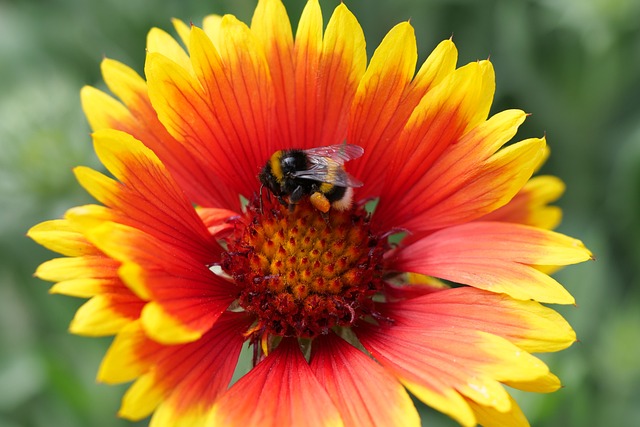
{"x":574,"y":64}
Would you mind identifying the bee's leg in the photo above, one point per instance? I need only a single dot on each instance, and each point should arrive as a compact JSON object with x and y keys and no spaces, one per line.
{"x":282,"y":201}
{"x":295,"y":196}
{"x":320,"y":202}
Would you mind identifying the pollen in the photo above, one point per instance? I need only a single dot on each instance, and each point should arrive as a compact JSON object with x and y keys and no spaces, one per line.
{"x":303,"y":272}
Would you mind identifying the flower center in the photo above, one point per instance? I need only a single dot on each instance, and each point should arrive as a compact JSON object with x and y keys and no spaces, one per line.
{"x":303,"y":273}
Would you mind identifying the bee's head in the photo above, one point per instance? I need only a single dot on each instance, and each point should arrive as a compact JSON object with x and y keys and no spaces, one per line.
{"x":269,"y":179}
{"x":291,"y":161}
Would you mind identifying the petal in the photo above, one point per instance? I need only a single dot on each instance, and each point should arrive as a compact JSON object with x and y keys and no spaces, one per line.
{"x":440,"y":63}
{"x":159,"y":41}
{"x":528,"y":324}
{"x":490,"y":417}
{"x":141,"y":121}
{"x":184,"y":381}
{"x":328,"y":71}
{"x":84,"y":287}
{"x":130,"y":355}
{"x":441,"y":365}
{"x":211,"y":27}
{"x":364,"y":393}
{"x":103,"y":111}
{"x":62,"y":269}
{"x":307,"y":55}
{"x":183,"y":110}
{"x":217,"y":220}
{"x":126,"y":84}
{"x":106,"y":314}
{"x":496,"y":257}
{"x":188,"y":297}
{"x":280,"y":391}
{"x":434,"y":182}
{"x":490,"y":186}
{"x":149,"y":198}
{"x":530,"y":205}
{"x":247,"y":72}
{"x":183,"y":30}
{"x":342,"y":65}
{"x":196,"y":374}
{"x":375,"y":118}
{"x":270,"y":25}
{"x":63,"y":237}
{"x":455,"y":106}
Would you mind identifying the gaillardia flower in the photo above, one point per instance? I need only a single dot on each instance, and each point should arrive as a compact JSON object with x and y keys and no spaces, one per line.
{"x":429,"y":283}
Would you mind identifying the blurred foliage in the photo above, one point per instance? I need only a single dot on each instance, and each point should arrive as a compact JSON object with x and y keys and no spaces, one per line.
{"x":574,"y":64}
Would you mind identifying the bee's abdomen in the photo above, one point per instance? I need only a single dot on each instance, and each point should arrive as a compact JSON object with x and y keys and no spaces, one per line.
{"x":333,"y":193}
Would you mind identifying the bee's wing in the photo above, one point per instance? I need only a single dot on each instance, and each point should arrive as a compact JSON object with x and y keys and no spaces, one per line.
{"x":339,"y":153}
{"x":323,"y":169}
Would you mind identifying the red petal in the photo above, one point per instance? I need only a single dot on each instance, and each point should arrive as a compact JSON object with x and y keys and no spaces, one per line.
{"x":495,"y":256}
{"x":443,"y":365}
{"x":280,"y":391}
{"x":364,"y":392}
{"x":194,"y":375}
{"x":528,"y":324}
{"x":183,"y":381}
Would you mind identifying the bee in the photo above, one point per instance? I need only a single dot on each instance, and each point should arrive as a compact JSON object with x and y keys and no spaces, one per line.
{"x":317,"y":173}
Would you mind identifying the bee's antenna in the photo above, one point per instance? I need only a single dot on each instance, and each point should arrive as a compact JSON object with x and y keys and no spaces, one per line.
{"x":260,"y":197}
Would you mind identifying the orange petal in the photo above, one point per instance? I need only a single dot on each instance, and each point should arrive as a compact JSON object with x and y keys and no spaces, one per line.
{"x":496,"y":257}
{"x":530,"y":205}
{"x":479,"y":191}
{"x":307,"y":55}
{"x":440,"y":172}
{"x":440,"y":63}
{"x":270,"y":25}
{"x":364,"y":392}
{"x":247,"y":71}
{"x":140,"y":120}
{"x":377,"y":113}
{"x":330,"y":80}
{"x":280,"y":391}
{"x":182,"y":108}
{"x":149,"y":198}
{"x":181,"y":381}
{"x":436,"y":129}
{"x":188,"y":297}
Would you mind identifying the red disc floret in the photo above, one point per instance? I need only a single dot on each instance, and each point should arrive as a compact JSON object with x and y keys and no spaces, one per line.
{"x":303,"y":272}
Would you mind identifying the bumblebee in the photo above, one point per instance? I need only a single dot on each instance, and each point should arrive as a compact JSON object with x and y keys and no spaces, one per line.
{"x":317,"y":173}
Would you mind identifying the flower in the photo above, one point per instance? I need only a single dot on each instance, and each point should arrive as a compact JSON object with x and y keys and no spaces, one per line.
{"x":187,"y":259}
